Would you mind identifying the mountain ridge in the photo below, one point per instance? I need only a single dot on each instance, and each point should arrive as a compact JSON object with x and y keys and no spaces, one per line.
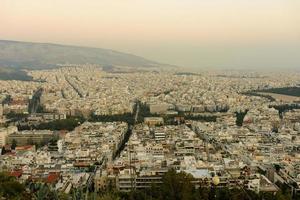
{"x":33,"y":55}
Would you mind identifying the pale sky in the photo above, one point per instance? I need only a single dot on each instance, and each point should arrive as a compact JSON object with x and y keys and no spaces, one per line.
{"x":191,"y":33}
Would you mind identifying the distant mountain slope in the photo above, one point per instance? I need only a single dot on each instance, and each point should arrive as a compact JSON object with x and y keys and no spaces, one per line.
{"x":43,"y":55}
{"x":7,"y":73}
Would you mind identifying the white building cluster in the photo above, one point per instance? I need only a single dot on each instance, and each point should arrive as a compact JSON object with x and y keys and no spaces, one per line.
{"x":73,"y":161}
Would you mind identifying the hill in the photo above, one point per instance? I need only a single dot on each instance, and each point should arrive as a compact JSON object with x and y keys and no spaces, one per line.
{"x":7,"y":73}
{"x":28,"y":55}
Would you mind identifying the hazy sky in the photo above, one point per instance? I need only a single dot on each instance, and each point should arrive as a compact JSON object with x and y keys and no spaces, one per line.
{"x":192,"y":33}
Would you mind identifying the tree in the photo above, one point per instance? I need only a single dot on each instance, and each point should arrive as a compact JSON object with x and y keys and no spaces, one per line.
{"x":13,"y":144}
{"x":78,"y":194}
{"x":42,"y":192}
{"x":3,"y":151}
{"x":9,"y":187}
{"x":109,"y":196}
{"x":277,"y":167}
{"x":202,"y":193}
{"x":63,"y":196}
{"x":267,"y":196}
{"x":280,"y":196}
{"x":223,"y":193}
{"x":177,"y":186}
{"x":240,"y":117}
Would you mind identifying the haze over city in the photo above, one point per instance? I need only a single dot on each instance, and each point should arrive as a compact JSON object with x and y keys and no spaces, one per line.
{"x":193,"y":33}
{"x":149,"y":99}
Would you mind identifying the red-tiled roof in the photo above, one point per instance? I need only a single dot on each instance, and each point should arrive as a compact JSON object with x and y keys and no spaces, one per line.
{"x":24,"y":147}
{"x":16,"y":174}
{"x":52,"y":177}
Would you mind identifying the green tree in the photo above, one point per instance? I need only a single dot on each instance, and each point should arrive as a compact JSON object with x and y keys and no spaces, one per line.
{"x":202,"y":193}
{"x":277,"y":167}
{"x":223,"y":193}
{"x":280,"y":196}
{"x":109,"y":196}
{"x":13,"y":144}
{"x":267,"y":196}
{"x":9,"y":187}
{"x":240,"y":117}
{"x":63,"y":196}
{"x":3,"y":151}
{"x":42,"y":192}
{"x":177,"y":186}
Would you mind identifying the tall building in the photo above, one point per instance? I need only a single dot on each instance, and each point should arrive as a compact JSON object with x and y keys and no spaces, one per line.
{"x":30,"y":137}
{"x":5,"y":132}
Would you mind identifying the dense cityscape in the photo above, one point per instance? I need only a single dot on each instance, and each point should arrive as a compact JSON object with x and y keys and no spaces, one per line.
{"x":85,"y":132}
